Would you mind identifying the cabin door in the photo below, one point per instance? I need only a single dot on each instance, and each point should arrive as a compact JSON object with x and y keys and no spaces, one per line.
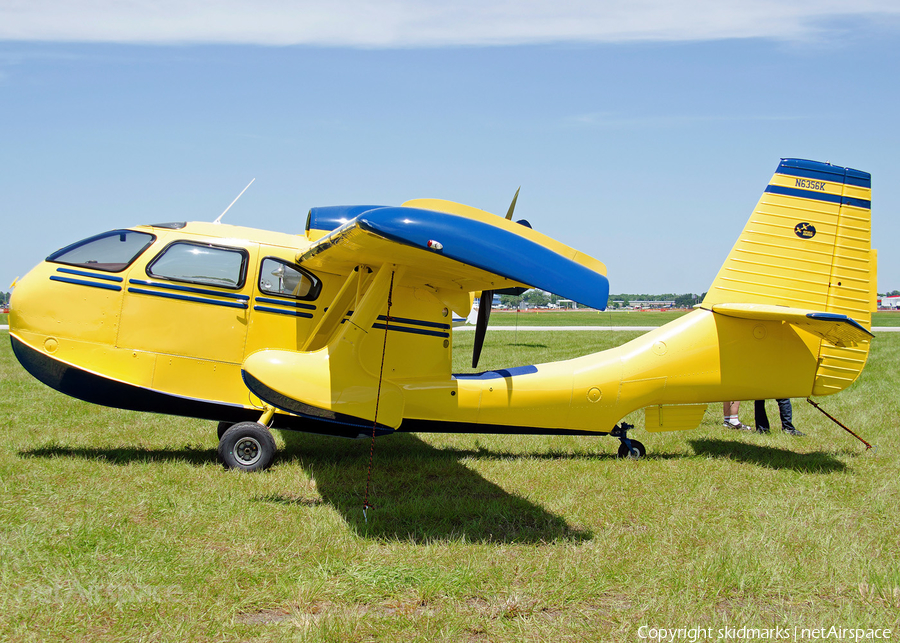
{"x":191,"y":300}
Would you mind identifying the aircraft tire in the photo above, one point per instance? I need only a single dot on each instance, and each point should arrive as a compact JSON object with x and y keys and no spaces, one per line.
{"x":637,"y":450}
{"x":247,"y":446}
{"x":223,"y":426}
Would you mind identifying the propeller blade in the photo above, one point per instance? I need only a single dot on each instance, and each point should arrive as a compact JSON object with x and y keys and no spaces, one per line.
{"x":512,"y":206}
{"x":484,"y":313}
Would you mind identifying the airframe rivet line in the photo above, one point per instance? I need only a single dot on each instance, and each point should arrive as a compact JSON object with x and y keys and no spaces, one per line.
{"x":387,"y":321}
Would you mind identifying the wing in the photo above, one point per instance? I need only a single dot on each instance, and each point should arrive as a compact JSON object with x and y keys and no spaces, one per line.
{"x":332,"y":376}
{"x":467,"y":250}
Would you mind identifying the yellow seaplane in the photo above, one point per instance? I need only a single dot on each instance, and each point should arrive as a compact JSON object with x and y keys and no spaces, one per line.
{"x":347,"y":329}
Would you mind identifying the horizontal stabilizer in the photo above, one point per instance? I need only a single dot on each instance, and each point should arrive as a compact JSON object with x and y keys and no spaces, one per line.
{"x":834,"y":328}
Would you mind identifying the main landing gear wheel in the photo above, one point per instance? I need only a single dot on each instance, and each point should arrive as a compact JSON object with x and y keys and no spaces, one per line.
{"x":637,"y":450}
{"x":247,"y":446}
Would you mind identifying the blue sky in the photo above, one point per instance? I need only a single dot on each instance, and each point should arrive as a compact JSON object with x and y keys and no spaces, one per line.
{"x":643,"y":138}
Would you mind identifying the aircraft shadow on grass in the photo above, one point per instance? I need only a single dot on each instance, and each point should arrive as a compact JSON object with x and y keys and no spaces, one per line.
{"x":419,"y":492}
{"x":769,"y":457}
{"x":422,"y":493}
{"x":126,"y":455}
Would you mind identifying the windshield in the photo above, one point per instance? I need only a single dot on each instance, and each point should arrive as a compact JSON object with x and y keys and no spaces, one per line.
{"x":111,"y":251}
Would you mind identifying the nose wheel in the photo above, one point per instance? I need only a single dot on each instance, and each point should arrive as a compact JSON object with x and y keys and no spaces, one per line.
{"x":628,"y":448}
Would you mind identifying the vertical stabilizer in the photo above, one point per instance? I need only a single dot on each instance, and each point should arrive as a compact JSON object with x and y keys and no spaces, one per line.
{"x":807,"y":245}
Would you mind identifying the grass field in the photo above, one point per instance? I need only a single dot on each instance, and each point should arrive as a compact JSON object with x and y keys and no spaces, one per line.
{"x":121,"y":526}
{"x":886,"y":318}
{"x":582,"y":318}
{"x":620,"y":318}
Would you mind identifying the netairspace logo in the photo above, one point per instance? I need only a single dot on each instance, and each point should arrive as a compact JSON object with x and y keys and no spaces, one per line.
{"x":694,"y":634}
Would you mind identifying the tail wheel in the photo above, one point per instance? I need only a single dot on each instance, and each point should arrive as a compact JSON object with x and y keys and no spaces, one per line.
{"x":636,"y":452}
{"x":247,"y":446}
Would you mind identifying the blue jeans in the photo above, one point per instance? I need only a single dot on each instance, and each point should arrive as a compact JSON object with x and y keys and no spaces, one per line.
{"x":762,"y":420}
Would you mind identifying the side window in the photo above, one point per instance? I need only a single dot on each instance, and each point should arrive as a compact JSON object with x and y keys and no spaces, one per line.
{"x":201,"y":264}
{"x":277,"y":277}
{"x":111,"y":251}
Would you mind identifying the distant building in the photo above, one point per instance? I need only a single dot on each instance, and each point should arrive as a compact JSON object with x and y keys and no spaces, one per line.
{"x":646,"y":304}
{"x":495,"y":302}
{"x":892,"y":303}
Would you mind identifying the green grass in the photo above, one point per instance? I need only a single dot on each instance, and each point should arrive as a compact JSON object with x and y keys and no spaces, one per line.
{"x":886,"y":318}
{"x":620,"y":318}
{"x":123,"y":526}
{"x":583,"y":318}
{"x":507,"y":348}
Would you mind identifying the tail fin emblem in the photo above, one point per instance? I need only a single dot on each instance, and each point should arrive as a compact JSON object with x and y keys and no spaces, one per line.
{"x":805,"y":230}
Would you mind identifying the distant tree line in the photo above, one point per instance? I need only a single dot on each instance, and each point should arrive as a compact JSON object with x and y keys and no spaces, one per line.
{"x":534,"y":298}
{"x":4,"y":297}
{"x":531,"y":298}
{"x":681,"y":301}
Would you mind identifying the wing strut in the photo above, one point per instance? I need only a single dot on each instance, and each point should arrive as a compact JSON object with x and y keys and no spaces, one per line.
{"x":387,"y":322}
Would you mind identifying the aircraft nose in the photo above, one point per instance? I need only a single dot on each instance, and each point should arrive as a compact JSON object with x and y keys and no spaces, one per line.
{"x":21,"y":300}
{"x":41,"y":305}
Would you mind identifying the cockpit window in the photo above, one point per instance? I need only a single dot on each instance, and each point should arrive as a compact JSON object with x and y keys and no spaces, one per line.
{"x":277,"y":277}
{"x":198,"y":263}
{"x":111,"y":251}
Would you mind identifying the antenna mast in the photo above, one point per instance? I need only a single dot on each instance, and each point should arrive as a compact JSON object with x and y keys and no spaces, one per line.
{"x":219,"y":220}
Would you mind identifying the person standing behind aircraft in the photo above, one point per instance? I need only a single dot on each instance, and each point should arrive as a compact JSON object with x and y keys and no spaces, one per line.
{"x":762,"y":420}
{"x":730,"y":410}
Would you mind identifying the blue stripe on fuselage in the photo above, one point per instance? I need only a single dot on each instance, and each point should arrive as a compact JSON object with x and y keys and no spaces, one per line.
{"x":83,"y":282}
{"x":283,"y":311}
{"x":199,"y":291}
{"x":197,"y":300}
{"x":497,"y":374}
{"x":84,"y":273}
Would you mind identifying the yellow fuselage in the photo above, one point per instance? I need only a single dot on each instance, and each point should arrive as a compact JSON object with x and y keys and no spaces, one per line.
{"x":183,"y":346}
{"x":347,"y":329}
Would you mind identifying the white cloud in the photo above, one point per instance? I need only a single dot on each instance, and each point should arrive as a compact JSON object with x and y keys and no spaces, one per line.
{"x":416,"y":23}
